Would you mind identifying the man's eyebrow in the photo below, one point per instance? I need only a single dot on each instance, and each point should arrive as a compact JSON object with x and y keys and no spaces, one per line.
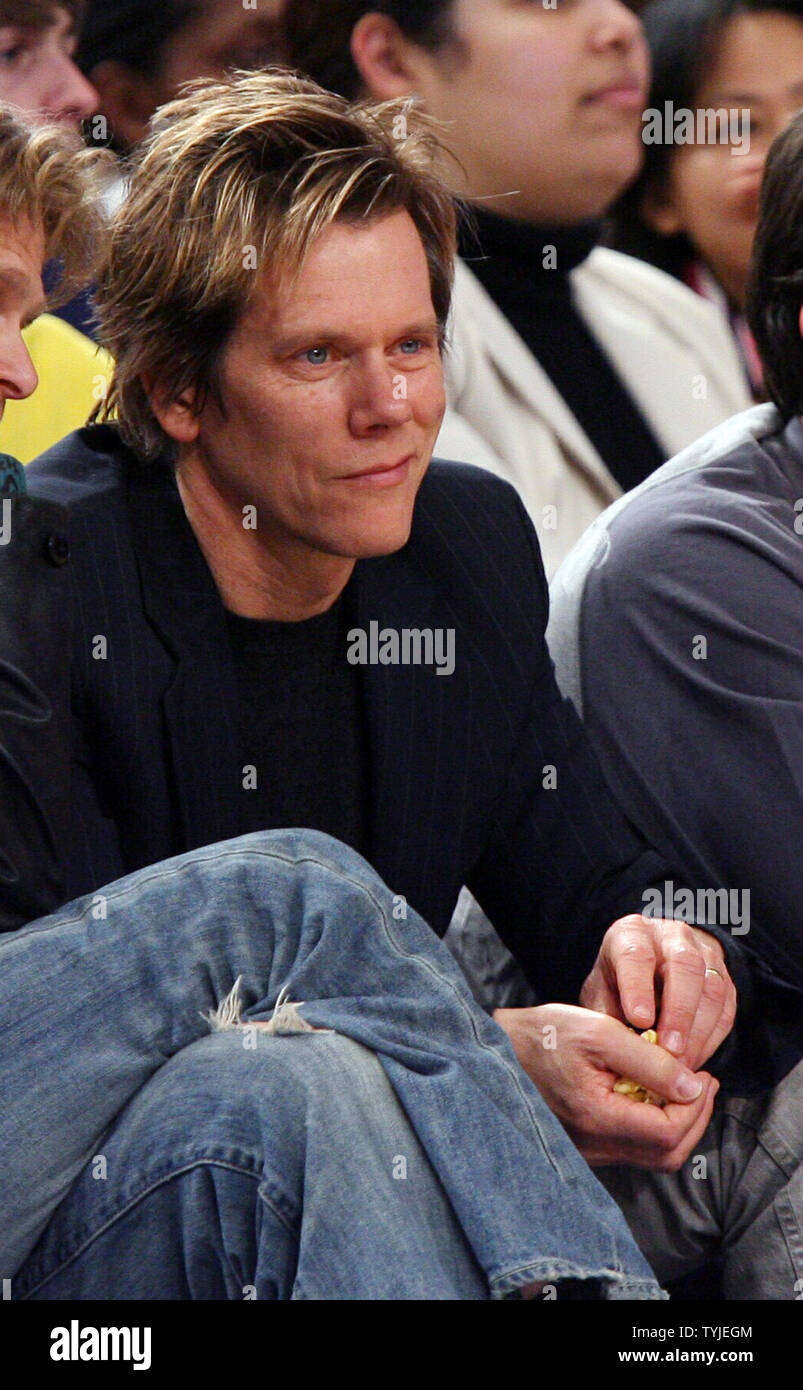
{"x":18,"y":283}
{"x":318,"y":334}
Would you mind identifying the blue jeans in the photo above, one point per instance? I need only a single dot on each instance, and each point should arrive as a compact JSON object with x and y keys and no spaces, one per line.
{"x":402,"y":1154}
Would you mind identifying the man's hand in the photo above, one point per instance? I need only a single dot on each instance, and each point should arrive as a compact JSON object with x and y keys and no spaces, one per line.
{"x":697,"y":995}
{"x":574,"y":1057}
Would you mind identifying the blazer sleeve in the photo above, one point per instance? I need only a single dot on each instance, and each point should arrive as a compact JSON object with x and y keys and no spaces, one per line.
{"x":34,"y":710}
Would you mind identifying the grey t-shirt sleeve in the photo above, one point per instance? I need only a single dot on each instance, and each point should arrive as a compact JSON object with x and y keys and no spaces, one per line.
{"x":691,"y":685}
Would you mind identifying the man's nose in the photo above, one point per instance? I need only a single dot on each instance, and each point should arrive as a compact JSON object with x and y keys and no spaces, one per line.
{"x":70,"y":97}
{"x":379,"y":399}
{"x":18,"y":378}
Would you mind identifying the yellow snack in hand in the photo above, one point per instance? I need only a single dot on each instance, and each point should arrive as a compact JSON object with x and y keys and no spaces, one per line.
{"x":624,"y":1087}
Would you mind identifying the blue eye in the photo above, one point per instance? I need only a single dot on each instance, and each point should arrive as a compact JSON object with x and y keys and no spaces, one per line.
{"x":317,"y":356}
{"x":411,"y":345}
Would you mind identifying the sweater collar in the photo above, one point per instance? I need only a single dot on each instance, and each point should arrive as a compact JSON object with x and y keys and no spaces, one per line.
{"x":525,"y":249}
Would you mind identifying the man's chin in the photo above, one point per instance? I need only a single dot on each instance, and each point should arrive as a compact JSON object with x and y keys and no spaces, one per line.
{"x":373,"y":547}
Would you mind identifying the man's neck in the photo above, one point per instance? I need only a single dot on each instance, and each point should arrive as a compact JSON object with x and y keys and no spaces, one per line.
{"x":258,"y":577}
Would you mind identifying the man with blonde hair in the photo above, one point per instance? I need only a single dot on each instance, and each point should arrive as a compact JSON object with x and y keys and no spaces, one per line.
{"x":48,"y":209}
{"x":285,"y":616}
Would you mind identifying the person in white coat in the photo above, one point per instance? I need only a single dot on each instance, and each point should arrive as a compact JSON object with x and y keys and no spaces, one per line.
{"x":573,"y":371}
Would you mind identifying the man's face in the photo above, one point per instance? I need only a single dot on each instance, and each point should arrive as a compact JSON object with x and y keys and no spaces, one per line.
{"x":215,"y":39}
{"x":333,"y":393}
{"x":544,"y":104}
{"x":22,"y":252}
{"x":37,"y":73}
{"x":221,"y":37}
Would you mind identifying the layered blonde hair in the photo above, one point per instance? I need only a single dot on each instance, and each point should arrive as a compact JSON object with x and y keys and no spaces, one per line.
{"x":50,"y":180}
{"x":236,"y":176}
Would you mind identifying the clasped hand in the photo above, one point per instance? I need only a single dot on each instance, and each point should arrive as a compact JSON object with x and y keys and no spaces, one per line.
{"x":647,"y":969}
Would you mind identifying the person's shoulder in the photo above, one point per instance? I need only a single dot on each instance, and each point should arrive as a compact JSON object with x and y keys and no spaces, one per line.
{"x":648,"y":287}
{"x":87,"y":468}
{"x":726,"y":486}
{"x":471,"y":534}
{"x":676,"y":544}
{"x":718,"y":482}
{"x":472,"y":502}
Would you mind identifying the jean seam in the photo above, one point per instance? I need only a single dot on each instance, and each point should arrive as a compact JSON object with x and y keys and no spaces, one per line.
{"x":787,"y":1219}
{"x":146,"y":1192}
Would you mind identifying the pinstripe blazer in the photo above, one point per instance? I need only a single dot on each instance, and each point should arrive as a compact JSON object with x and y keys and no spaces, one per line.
{"x":484,"y":776}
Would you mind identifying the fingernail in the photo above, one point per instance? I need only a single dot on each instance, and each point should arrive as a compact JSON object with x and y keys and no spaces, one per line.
{"x":689,"y":1087}
{"x":674,"y":1042}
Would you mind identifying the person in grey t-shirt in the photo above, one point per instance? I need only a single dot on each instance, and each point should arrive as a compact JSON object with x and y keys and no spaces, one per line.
{"x":677,"y":630}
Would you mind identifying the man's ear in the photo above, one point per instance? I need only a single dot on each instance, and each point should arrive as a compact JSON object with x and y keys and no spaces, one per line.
{"x":178,"y":418}
{"x":384,"y":58}
{"x":127,"y":99}
{"x":659,"y":210}
{"x":800,"y":321}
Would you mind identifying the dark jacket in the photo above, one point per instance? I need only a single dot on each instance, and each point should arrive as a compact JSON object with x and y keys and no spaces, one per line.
{"x":483,"y":777}
{"x":34,"y":706}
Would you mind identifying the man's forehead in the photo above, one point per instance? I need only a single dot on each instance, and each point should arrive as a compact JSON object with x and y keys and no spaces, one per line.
{"x":337,"y":265}
{"x":22,"y":247}
{"x":231,"y":24}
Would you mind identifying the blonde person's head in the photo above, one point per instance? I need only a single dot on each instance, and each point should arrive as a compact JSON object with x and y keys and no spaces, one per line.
{"x":236,"y":181}
{"x":48,"y":179}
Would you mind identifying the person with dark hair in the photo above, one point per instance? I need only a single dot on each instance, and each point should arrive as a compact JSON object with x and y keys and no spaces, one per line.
{"x":137,"y":54}
{"x":48,"y":208}
{"x":693,"y":209}
{"x":573,"y":371}
{"x":37,"y":69}
{"x":675,"y":631}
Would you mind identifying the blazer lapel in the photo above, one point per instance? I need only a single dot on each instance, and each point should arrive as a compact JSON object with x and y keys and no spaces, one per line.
{"x":524,"y":374}
{"x":183,"y":605}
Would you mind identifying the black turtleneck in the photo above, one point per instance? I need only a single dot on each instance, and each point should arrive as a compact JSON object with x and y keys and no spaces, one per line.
{"x":530,"y":284}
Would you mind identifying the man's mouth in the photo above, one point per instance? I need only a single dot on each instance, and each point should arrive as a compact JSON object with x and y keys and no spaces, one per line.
{"x":383,"y":474}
